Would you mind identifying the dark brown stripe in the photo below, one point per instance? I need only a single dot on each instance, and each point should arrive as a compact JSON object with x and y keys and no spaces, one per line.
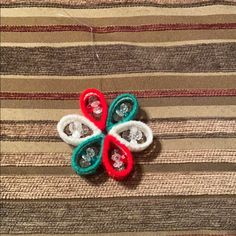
{"x":119,"y":215}
{"x":117,"y":28}
{"x":113,"y":59}
{"x":113,"y":4}
{"x":111,"y":95}
{"x":150,"y":102}
{"x":145,"y":168}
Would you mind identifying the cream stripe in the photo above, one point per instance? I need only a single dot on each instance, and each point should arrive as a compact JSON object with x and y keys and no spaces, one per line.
{"x":119,"y":75}
{"x":167,"y":144}
{"x":151,"y":112}
{"x":117,"y":12}
{"x":161,"y":44}
{"x":154,"y":184}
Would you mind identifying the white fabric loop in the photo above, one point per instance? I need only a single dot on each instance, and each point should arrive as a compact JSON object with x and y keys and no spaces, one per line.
{"x":133,"y":127}
{"x":75,"y":139}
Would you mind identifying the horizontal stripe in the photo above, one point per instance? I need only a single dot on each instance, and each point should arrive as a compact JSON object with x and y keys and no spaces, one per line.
{"x":150,"y":112}
{"x":160,"y":233}
{"x":154,"y":37}
{"x":147,"y":102}
{"x":147,"y":158}
{"x":119,"y":3}
{"x":137,"y":20}
{"x":144,"y":168}
{"x":162,"y":44}
{"x":126,"y":76}
{"x":112,"y":29}
{"x":113,"y":59}
{"x":159,"y":144}
{"x":153,"y":184}
{"x":118,"y":12}
{"x":111,"y":95}
{"x":140,"y":214}
{"x":139,"y":83}
{"x":163,"y":128}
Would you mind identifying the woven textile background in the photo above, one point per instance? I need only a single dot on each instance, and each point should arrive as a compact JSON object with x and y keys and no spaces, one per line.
{"x":178,"y":57}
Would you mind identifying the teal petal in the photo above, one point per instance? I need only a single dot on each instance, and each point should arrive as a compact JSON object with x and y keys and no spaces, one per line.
{"x":123,"y":108}
{"x":82,"y":161}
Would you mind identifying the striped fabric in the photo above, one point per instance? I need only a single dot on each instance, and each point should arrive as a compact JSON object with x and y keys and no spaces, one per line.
{"x":178,"y":57}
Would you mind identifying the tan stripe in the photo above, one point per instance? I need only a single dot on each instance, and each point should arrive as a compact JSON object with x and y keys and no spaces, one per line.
{"x":134,"y":37}
{"x":154,"y":184}
{"x":40,"y":131}
{"x":139,"y":83}
{"x":149,"y":157}
{"x":118,"y":12}
{"x":165,"y":145}
{"x":137,"y":20}
{"x":150,"y":102}
{"x":151,"y":112}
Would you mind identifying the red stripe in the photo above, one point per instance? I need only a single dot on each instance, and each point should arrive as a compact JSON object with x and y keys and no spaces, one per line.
{"x":119,"y":28}
{"x":111,"y":95}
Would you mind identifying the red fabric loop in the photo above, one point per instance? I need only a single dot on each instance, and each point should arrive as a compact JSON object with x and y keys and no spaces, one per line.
{"x":87,"y":109}
{"x":111,"y":143}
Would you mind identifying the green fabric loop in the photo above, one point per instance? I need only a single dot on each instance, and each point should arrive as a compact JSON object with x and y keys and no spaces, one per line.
{"x":116,"y":103}
{"x":99,"y":139}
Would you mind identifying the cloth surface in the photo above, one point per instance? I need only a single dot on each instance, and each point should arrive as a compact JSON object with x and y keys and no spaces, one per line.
{"x":178,"y":57}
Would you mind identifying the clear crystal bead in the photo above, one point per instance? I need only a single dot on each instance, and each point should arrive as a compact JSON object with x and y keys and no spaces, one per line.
{"x":97,"y":110}
{"x":136,"y":134}
{"x":118,"y":164}
{"x":83,"y":163}
{"x":75,"y":129}
{"x":90,"y":152}
{"x":123,"y":109}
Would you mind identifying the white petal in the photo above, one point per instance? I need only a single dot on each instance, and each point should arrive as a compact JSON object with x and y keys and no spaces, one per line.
{"x":131,"y":125}
{"x":75,"y":139}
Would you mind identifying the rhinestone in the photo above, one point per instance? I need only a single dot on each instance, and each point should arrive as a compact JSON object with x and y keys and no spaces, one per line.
{"x":122,"y":110}
{"x":116,"y":157}
{"x":83,"y":163}
{"x":95,"y":103}
{"x":90,"y":152}
{"x":135,"y":134}
{"x":97,"y":110}
{"x":75,"y":129}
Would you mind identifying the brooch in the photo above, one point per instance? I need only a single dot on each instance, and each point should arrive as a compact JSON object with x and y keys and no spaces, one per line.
{"x":105,"y":135}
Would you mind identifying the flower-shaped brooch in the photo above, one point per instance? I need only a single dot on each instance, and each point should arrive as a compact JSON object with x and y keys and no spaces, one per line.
{"x":103,"y":135}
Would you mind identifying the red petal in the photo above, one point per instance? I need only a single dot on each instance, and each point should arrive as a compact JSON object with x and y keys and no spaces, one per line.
{"x":88,"y":111}
{"x":111,"y":143}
